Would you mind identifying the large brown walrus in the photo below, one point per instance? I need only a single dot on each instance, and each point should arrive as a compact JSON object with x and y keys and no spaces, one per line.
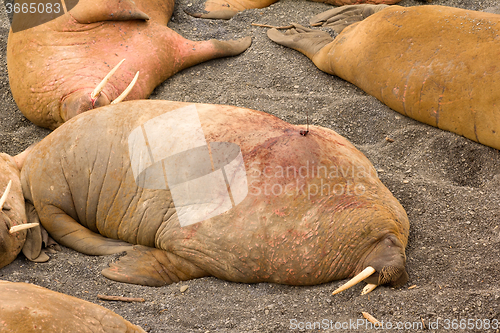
{"x":438,"y":65}
{"x":212,"y":190}
{"x":26,"y":308}
{"x":55,"y":68}
{"x":225,"y":9}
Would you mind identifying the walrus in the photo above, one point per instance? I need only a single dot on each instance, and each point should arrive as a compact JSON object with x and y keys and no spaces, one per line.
{"x":435,"y":64}
{"x":226,"y":9}
{"x":55,"y":68}
{"x":29,"y":308}
{"x":213,"y":190}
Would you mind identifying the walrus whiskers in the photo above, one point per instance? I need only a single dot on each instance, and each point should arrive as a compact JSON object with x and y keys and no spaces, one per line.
{"x":126,"y":91}
{"x":355,"y":280}
{"x":5,"y":194}
{"x":101,"y":85}
{"x":20,"y":227}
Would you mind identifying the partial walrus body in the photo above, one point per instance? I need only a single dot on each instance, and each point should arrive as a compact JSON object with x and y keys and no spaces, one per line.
{"x":438,"y":65}
{"x":54,"y":68}
{"x":225,"y":9}
{"x":28,"y":308}
{"x":304,"y":210}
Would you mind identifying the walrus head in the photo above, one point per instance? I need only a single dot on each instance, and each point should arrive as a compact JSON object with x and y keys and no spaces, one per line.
{"x":87,"y":99}
{"x":13,"y":221}
{"x":385,"y":264}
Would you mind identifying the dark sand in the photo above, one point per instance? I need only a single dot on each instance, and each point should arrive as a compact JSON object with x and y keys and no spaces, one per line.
{"x":448,"y":185}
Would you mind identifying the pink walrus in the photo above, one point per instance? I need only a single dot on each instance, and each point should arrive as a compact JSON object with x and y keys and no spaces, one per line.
{"x":214,"y":190}
{"x":56,"y":67}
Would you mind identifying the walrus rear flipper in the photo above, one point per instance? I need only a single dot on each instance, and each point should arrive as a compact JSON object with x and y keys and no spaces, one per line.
{"x":91,"y":11}
{"x":151,"y":267}
{"x":224,"y":9}
{"x":305,"y":40}
{"x":339,"y":18}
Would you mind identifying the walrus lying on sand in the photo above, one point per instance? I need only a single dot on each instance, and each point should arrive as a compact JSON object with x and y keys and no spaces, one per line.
{"x":438,"y":65}
{"x":28,"y":308}
{"x":225,"y":9}
{"x":212,"y":190}
{"x":55,"y":68}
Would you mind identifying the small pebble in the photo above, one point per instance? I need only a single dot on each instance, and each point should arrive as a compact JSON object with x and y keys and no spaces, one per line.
{"x":184,"y":288}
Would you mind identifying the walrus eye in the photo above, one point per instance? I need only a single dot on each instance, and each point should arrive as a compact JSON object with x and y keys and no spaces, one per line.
{"x":5,"y":194}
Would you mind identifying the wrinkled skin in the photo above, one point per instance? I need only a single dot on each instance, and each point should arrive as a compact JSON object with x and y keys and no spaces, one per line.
{"x":438,"y":65}
{"x":54,"y":67}
{"x":28,"y":308}
{"x":88,"y":200}
{"x":225,"y":9}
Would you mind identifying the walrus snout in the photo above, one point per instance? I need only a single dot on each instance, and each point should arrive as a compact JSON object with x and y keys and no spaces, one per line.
{"x":81,"y":101}
{"x":385,"y":264}
{"x":10,"y":244}
{"x":388,"y":259}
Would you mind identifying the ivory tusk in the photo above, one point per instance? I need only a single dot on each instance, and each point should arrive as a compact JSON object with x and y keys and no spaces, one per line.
{"x":5,"y":194}
{"x":126,"y":91}
{"x":371,"y":318}
{"x":101,"y":85}
{"x":20,"y":227}
{"x":355,"y":280}
{"x":369,"y":288}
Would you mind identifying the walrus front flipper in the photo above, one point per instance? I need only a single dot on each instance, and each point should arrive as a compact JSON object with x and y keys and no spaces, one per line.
{"x":339,"y":18}
{"x":37,"y":239}
{"x":304,"y":40}
{"x":66,"y":231}
{"x":151,"y":267}
{"x":225,"y":9}
{"x":91,"y":11}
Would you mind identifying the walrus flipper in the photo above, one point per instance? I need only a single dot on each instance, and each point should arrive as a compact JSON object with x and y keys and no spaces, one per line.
{"x":38,"y":241}
{"x":339,"y":18}
{"x":224,"y":9}
{"x":91,"y":11}
{"x":305,"y":40}
{"x":68,"y":232}
{"x":151,"y":267}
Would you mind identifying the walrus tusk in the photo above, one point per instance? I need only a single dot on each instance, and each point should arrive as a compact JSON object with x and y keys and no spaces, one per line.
{"x":5,"y":194}
{"x":126,"y":91}
{"x":369,"y":288}
{"x":355,"y":280}
{"x":371,"y":318}
{"x":20,"y":227}
{"x":101,"y":85}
